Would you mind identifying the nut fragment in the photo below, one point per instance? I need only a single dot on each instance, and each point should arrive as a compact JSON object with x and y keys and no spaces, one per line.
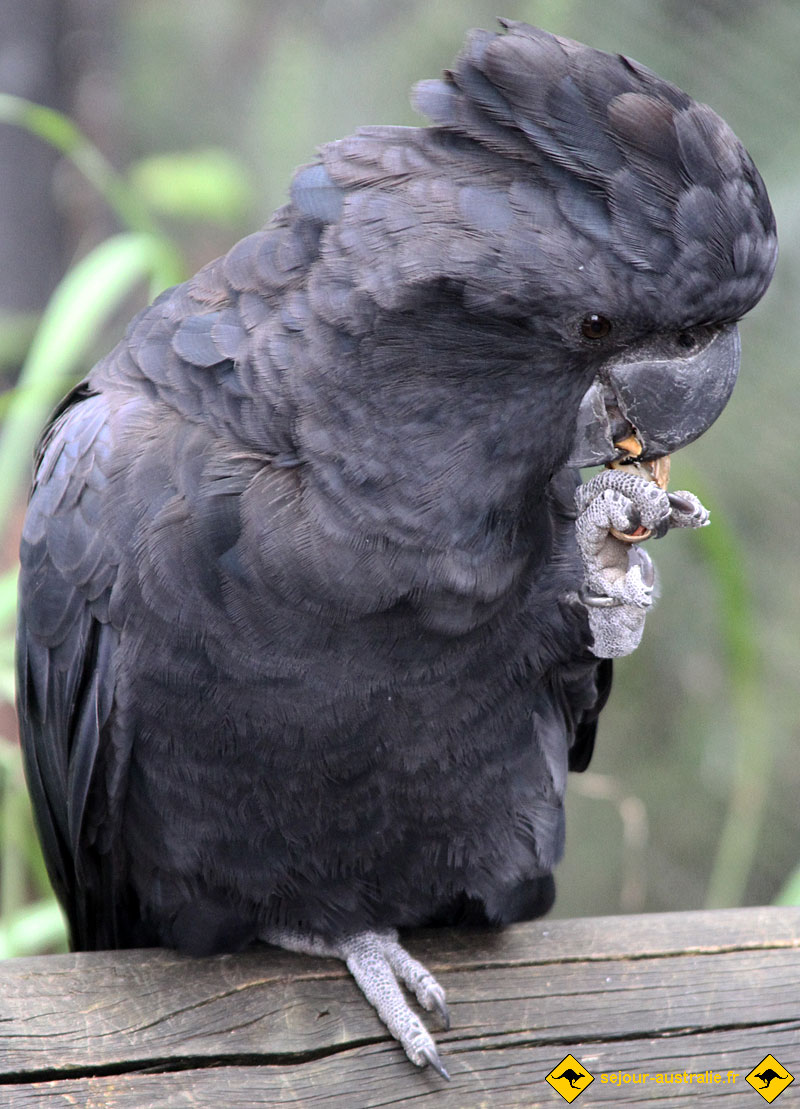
{"x":655,"y":469}
{"x":630,"y":445}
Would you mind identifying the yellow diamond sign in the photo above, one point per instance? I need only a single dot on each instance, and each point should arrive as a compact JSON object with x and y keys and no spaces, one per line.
{"x":569,"y":1078}
{"x":769,"y":1078}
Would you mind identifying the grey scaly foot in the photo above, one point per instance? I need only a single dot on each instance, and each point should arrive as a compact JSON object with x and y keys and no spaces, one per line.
{"x":619,"y":576}
{"x":376,"y":961}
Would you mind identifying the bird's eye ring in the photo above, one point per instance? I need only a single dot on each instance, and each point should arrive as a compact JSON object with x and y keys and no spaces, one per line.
{"x":595,"y":326}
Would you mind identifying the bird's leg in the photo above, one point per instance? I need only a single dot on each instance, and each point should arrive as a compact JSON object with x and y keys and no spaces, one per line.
{"x":376,"y":960}
{"x":619,"y":577}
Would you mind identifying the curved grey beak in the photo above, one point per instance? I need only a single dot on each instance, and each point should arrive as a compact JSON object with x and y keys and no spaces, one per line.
{"x":663,"y":401}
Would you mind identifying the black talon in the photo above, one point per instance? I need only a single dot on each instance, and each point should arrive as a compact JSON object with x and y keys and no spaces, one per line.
{"x":432,"y":1056}
{"x":680,"y":503}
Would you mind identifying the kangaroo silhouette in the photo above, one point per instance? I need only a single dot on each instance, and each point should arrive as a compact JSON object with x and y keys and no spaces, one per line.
{"x":573,"y":1076}
{"x":767,"y":1076}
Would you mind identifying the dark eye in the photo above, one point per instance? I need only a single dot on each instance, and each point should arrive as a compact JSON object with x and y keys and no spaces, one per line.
{"x":595,"y":326}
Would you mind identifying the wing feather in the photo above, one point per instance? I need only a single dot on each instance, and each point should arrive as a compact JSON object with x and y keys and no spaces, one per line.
{"x":65,"y":649}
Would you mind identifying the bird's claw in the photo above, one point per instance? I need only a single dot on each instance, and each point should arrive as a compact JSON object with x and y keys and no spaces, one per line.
{"x":377,"y":961}
{"x":428,"y":992}
{"x":686,"y":511}
{"x":440,"y":1005}
{"x":615,"y":509}
{"x":432,"y":1059}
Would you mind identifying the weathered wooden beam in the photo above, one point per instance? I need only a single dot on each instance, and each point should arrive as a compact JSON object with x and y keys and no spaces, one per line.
{"x":659,"y":993}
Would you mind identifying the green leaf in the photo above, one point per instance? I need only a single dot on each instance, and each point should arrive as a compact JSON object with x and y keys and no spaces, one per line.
{"x":8,"y":606}
{"x":85,"y":299}
{"x":199,"y":185}
{"x":39,"y":927}
{"x":60,"y":132}
{"x":790,"y":894}
{"x":16,"y":331}
{"x":8,"y":596}
{"x":7,"y":669}
{"x":90,"y":293}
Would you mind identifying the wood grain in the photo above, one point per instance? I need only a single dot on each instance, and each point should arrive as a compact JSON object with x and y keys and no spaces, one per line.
{"x":659,"y":993}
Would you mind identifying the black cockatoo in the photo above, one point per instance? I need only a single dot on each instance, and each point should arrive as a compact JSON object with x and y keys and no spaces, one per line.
{"x":312,"y":622}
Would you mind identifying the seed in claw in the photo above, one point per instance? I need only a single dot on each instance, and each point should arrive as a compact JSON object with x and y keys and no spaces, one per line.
{"x":656,"y":469}
{"x":637,"y":536}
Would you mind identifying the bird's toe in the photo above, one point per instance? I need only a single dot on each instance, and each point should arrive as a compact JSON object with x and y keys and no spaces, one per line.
{"x":376,"y":960}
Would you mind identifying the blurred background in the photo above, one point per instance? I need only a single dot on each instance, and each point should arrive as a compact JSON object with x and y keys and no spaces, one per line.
{"x":188,"y":120}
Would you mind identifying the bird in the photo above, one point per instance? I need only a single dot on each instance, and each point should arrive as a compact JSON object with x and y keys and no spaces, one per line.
{"x":315,"y":610}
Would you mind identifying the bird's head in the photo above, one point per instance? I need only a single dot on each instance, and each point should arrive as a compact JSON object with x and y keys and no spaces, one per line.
{"x":640,"y":222}
{"x":552,"y":273}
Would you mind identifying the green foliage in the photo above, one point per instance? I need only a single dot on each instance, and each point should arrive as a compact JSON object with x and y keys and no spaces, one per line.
{"x":30,"y":918}
{"x":206,"y":185}
{"x":790,"y":894}
{"x":85,"y":299}
{"x":60,"y":132}
{"x":750,"y":749}
{"x":16,"y":332}
{"x":201,"y":185}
